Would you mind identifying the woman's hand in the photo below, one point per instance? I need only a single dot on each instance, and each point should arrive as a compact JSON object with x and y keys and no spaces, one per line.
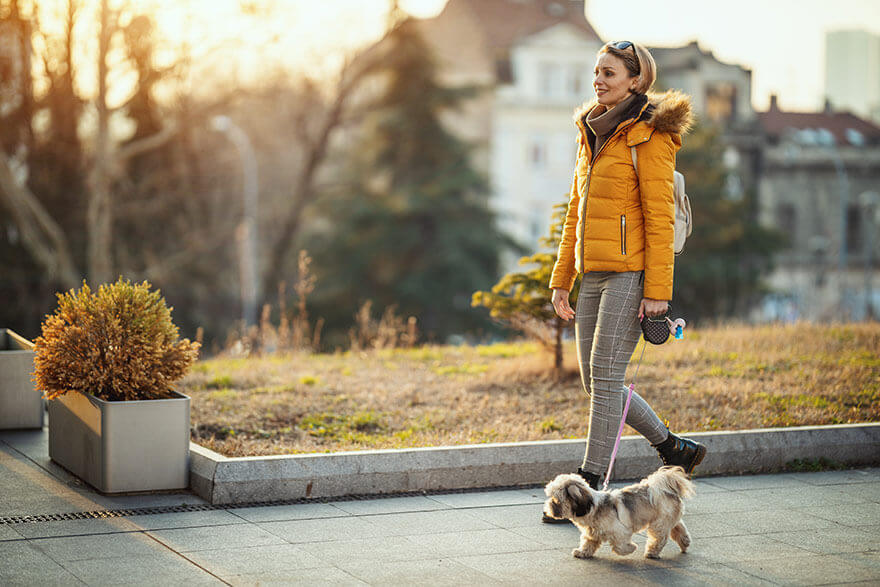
{"x":652,"y":308}
{"x":561,"y":305}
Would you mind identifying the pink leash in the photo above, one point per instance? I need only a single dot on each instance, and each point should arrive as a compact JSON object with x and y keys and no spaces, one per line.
{"x":632,"y":388}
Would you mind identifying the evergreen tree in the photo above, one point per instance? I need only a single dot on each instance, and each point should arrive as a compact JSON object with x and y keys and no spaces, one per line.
{"x":719,"y":273}
{"x":522,"y":300}
{"x":411,"y":227}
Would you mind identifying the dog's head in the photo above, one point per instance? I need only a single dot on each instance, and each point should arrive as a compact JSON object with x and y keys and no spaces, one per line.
{"x":568,"y":496}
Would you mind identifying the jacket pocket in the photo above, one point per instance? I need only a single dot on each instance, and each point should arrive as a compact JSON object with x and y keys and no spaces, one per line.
{"x":623,"y":234}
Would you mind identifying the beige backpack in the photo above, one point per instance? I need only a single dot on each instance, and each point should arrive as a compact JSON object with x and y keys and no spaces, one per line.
{"x":683,"y":216}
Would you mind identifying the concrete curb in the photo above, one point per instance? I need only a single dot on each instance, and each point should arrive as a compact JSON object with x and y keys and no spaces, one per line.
{"x":220,"y":479}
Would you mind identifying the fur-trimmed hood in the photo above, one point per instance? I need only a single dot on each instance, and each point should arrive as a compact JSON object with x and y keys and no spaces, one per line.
{"x":668,"y":112}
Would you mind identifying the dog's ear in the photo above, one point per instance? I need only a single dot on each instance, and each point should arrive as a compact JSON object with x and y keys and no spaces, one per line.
{"x":581,"y":500}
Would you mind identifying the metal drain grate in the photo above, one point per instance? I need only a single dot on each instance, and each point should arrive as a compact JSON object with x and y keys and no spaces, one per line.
{"x":203,"y":507}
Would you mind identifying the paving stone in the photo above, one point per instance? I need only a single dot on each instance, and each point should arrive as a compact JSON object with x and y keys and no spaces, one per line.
{"x":159,"y":569}
{"x":551,"y":535}
{"x":274,"y":558}
{"x":280,"y":513}
{"x":807,"y":570}
{"x":491,"y":498}
{"x":743,"y":482}
{"x":101,"y":546}
{"x":215,"y":537}
{"x":712,"y":525}
{"x":325,"y":576}
{"x":698,"y":576}
{"x":865,"y":514}
{"x":834,"y":540}
{"x":184,"y":520}
{"x":452,"y":544}
{"x":871,"y":475}
{"x":512,"y":516}
{"x":761,"y":522}
{"x":705,"y":485}
{"x":733,"y":549}
{"x":326,"y":530}
{"x":767,"y":499}
{"x":861,"y":492}
{"x":22,"y":564}
{"x":151,"y":500}
{"x":552,"y":567}
{"x":431,"y":572}
{"x":75,"y":527}
{"x":391,"y":505}
{"x":419,"y":523}
{"x":9,"y":533}
{"x":379,"y":548}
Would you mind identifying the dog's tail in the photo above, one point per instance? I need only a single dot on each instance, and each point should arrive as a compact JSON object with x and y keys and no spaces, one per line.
{"x":671,"y":480}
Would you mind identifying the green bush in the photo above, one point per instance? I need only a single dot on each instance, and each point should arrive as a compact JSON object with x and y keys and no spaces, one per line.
{"x":117,"y":344}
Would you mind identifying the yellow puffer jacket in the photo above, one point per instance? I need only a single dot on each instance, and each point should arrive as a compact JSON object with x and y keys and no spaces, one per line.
{"x":617,"y":221}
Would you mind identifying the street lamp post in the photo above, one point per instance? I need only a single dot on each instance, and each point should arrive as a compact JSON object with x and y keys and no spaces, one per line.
{"x":869,"y":201}
{"x":248,"y":232}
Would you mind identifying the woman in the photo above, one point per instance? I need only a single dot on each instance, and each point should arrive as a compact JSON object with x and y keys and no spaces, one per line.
{"x":619,"y":234}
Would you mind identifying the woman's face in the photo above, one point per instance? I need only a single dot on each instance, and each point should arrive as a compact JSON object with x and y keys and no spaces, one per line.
{"x":611,"y":80}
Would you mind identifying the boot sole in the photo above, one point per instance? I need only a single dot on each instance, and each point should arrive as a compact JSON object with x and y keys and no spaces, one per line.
{"x":698,"y":458}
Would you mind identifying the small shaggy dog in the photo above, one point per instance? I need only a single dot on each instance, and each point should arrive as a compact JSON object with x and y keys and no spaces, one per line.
{"x":614,"y":516}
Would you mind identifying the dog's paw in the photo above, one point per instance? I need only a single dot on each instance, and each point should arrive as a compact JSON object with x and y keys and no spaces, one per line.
{"x":653,"y":555}
{"x":625,"y":549}
{"x":578,"y":553}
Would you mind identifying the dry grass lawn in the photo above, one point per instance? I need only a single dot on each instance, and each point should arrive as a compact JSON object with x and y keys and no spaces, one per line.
{"x":724,"y":378}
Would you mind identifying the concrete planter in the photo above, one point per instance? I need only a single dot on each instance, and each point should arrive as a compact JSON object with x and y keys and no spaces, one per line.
{"x":122,"y":446}
{"x":21,"y":405}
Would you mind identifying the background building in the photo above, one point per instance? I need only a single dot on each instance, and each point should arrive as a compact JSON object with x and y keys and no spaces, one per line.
{"x":852,"y":72}
{"x":812,"y":175}
{"x":820,"y":185}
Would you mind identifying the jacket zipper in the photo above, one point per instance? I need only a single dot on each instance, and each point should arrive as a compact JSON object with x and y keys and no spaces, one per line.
{"x":623,"y":234}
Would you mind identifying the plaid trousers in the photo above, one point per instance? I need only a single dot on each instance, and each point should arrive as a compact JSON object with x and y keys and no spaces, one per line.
{"x":607,"y":332}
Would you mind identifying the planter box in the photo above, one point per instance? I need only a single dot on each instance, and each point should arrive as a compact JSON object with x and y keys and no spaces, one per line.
{"x":21,"y":405}
{"x":122,"y":446}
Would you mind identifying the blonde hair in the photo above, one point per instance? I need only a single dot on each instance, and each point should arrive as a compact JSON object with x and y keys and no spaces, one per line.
{"x":639,"y":63}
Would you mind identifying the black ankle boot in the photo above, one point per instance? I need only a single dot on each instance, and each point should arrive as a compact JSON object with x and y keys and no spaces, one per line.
{"x":682,"y":452}
{"x":592,"y":480}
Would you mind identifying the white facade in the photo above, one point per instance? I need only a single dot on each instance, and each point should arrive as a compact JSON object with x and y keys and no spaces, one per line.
{"x":533,"y":138}
{"x":852,"y":72}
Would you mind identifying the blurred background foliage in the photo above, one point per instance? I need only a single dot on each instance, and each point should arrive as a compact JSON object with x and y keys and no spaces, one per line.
{"x":357,"y":169}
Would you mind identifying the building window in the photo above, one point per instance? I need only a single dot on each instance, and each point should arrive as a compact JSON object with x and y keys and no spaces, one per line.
{"x":538,"y":154}
{"x":575,"y":81}
{"x":786,"y":220}
{"x":854,"y":240}
{"x":550,"y":82}
{"x":721,"y":102}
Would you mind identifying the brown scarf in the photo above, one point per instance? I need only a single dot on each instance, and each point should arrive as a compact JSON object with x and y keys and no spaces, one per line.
{"x":603,"y":122}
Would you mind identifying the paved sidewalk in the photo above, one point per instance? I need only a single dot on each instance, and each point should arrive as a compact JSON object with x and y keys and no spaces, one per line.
{"x":803,"y":528}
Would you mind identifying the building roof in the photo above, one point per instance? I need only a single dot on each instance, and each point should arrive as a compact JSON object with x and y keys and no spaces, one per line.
{"x":686,"y":57}
{"x":845,"y":127}
{"x":504,"y":22}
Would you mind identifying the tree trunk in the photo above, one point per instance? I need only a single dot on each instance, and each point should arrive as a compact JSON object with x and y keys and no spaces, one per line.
{"x":41,"y":235}
{"x":99,"y":215}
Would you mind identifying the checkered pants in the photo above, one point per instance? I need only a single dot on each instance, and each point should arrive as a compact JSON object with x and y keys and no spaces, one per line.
{"x":607,"y":332}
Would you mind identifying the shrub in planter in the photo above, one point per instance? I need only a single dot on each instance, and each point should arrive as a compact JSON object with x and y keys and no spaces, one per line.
{"x":107,"y":361}
{"x":118,"y":343}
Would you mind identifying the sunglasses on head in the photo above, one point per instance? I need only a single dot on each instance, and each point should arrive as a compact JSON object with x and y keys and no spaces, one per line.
{"x":623,"y":45}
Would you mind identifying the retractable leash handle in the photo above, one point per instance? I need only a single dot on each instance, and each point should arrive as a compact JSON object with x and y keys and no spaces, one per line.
{"x":677,"y":327}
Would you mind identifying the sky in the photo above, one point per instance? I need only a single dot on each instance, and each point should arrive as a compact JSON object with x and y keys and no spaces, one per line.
{"x":781,"y":41}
